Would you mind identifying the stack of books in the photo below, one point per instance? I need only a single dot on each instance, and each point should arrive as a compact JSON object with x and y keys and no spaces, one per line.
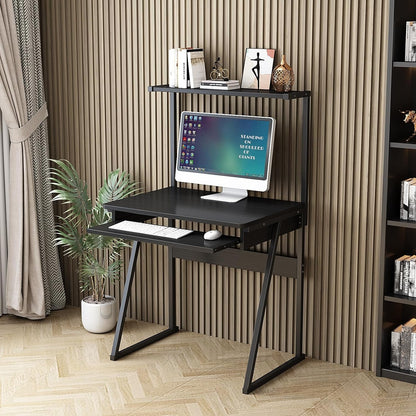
{"x":405,"y":276}
{"x":403,"y":346}
{"x":186,"y":67}
{"x":232,"y":84}
{"x":408,"y":200}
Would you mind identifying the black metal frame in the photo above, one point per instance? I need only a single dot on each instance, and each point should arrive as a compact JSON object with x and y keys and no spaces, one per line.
{"x":277,"y":230}
{"x":116,"y":353}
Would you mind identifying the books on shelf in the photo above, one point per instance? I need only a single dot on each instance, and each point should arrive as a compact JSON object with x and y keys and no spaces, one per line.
{"x":403,"y":346}
{"x":405,"y":276}
{"x":408,"y":200}
{"x":186,"y":67}
{"x":232,"y":84}
{"x":410,"y":43}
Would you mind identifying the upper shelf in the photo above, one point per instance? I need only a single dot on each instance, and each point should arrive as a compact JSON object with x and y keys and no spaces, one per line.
{"x":241,"y":92}
{"x":403,"y":145}
{"x":403,"y":64}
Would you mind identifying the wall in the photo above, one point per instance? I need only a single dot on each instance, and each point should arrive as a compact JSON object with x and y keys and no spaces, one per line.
{"x":100,"y":56}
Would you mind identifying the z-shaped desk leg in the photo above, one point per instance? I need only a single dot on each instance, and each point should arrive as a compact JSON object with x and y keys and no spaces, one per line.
{"x":250,"y":385}
{"x":115,"y":352}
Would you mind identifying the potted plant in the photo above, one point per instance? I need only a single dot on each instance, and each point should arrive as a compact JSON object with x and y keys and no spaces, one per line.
{"x":99,"y":257}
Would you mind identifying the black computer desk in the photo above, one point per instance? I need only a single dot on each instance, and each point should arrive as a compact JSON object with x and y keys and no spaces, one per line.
{"x":257,"y":219}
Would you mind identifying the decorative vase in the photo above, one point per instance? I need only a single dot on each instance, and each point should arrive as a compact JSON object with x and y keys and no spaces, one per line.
{"x":283,"y":77}
{"x":99,"y":317}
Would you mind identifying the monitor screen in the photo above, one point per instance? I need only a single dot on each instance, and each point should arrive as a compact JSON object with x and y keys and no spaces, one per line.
{"x":225,"y":150}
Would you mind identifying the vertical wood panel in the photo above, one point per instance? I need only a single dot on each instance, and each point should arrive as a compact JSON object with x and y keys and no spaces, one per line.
{"x":99,"y":58}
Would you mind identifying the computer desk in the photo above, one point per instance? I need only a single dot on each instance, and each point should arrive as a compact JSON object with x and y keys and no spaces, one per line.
{"x":256,"y":220}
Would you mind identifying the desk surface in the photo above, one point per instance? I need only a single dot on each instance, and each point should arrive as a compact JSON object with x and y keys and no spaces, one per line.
{"x":186,"y":204}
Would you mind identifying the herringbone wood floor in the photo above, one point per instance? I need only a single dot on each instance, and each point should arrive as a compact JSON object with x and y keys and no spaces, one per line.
{"x":54,"y":367}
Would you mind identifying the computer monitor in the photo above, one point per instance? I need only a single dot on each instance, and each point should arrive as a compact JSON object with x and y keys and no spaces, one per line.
{"x":232,"y":151}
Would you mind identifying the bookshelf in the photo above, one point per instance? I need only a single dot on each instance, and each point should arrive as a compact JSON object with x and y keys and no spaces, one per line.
{"x":398,"y":237}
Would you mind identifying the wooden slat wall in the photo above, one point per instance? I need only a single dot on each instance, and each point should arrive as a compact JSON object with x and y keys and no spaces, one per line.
{"x":100,"y":56}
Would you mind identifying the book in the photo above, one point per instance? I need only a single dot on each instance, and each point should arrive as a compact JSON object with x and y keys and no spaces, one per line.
{"x":410,"y":42}
{"x":398,"y":274}
{"x":413,"y":351}
{"x":220,"y":83}
{"x":173,"y":68}
{"x":401,"y":277}
{"x":218,"y":87}
{"x":412,"y":276}
{"x":412,"y":201}
{"x":196,"y":67}
{"x":395,"y":346}
{"x":404,"y":202}
{"x":182,"y":68}
{"x":406,"y":275}
{"x":405,"y":343}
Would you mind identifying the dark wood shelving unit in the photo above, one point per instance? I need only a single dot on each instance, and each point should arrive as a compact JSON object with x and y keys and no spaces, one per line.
{"x":398,"y":237}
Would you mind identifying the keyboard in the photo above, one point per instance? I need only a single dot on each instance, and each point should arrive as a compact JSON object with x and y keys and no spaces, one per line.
{"x":150,"y":229}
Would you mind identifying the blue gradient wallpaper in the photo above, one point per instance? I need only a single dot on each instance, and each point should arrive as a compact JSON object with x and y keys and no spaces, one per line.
{"x":224,"y":145}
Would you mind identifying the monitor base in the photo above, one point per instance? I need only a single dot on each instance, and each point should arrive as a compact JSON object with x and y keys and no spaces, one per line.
{"x":227,"y":195}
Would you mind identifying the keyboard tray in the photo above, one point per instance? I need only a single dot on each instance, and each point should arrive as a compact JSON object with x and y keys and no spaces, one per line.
{"x":194,"y":241}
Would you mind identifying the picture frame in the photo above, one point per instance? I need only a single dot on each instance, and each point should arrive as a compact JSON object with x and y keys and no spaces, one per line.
{"x":257,"y":69}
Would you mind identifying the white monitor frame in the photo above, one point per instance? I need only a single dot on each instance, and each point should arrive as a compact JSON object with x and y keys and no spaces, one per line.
{"x":234,"y":187}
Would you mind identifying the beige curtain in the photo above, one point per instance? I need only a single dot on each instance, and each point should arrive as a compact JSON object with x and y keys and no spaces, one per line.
{"x":4,"y":185}
{"x":25,"y":294}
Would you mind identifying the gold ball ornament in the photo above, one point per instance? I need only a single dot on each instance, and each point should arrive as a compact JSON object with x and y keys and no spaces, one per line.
{"x":283,"y":77}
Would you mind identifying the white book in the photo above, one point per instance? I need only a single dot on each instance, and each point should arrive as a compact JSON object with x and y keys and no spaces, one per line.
{"x":218,"y":87}
{"x":196,"y":67}
{"x":406,"y":276}
{"x":395,"y":346}
{"x":182,"y":68}
{"x":412,"y":201}
{"x":397,"y":269}
{"x":401,"y":278}
{"x":220,"y":82}
{"x":404,"y":203}
{"x":413,"y":351}
{"x":410,"y":42}
{"x":173,"y":68}
{"x":412,"y":276}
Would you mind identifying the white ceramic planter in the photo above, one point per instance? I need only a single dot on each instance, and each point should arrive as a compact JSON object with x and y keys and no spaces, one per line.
{"x":99,"y":317}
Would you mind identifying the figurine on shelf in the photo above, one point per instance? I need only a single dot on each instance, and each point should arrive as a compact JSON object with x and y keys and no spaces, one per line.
{"x":410,"y":116}
{"x":218,"y":72}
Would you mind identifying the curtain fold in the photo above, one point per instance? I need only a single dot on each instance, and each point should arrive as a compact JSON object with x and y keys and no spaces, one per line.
{"x":33,"y":271}
{"x":4,"y":192}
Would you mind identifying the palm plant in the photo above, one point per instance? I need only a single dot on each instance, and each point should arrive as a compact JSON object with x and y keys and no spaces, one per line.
{"x":99,"y":257}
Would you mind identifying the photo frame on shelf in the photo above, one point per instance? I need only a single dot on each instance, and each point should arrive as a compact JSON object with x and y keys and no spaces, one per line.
{"x":258,"y":67}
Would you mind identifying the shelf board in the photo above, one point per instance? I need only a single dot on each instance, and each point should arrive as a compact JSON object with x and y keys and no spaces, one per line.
{"x":241,"y":92}
{"x":401,"y":223}
{"x":397,"y":374}
{"x":403,"y":145}
{"x":402,"y":64}
{"x":403,"y":300}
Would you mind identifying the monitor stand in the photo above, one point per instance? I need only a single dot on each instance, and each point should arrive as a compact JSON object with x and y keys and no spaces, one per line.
{"x":227,"y":195}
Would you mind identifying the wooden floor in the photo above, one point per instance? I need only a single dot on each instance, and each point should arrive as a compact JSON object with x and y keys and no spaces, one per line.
{"x":54,"y":367}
